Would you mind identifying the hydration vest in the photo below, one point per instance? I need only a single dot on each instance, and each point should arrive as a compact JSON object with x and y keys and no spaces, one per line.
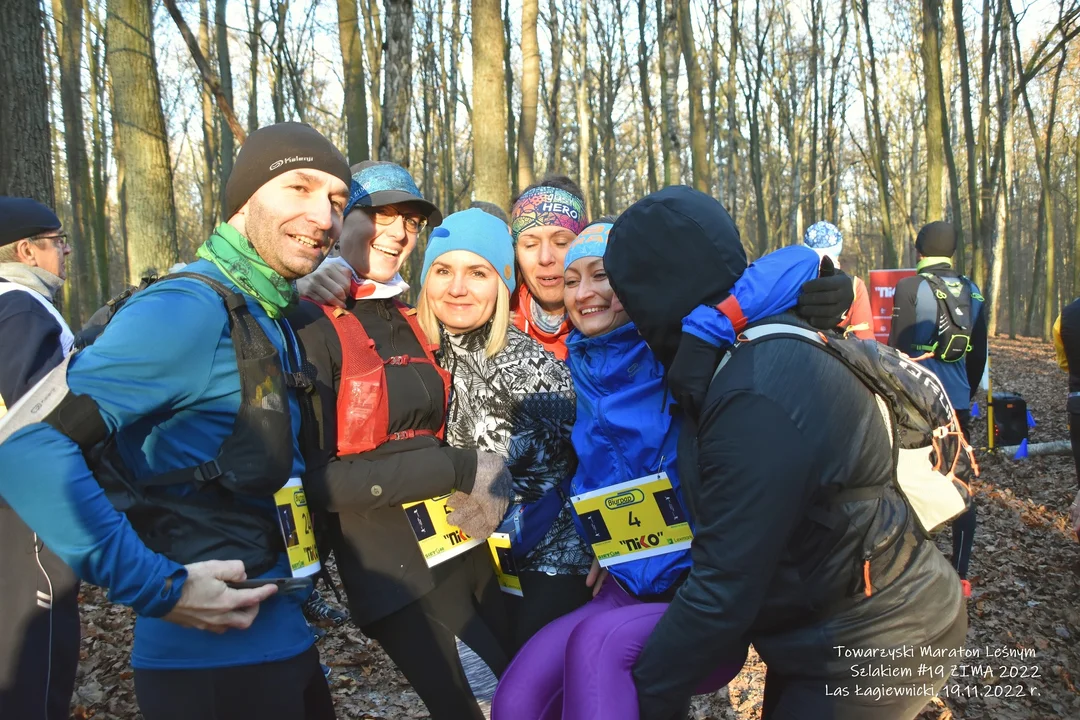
{"x":215,"y":522}
{"x":955,"y":317}
{"x":363,"y":408}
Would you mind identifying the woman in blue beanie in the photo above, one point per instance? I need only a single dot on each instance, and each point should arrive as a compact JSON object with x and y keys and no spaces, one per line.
{"x":512,"y":398}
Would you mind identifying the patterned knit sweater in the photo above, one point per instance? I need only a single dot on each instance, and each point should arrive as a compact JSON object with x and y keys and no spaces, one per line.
{"x":521,"y":405}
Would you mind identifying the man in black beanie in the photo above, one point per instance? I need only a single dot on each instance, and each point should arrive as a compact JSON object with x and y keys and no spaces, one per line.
{"x":39,"y":648}
{"x":782,"y":426}
{"x":204,"y":433}
{"x":940,"y":316}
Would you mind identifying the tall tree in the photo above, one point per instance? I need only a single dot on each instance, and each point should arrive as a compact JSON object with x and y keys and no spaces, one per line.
{"x":730,"y":196}
{"x":554,"y":92}
{"x":209,"y":168}
{"x":26,"y":168}
{"x":490,"y":166}
{"x":373,"y":43}
{"x":148,"y":213}
{"x":68,"y":16}
{"x":227,"y":149}
{"x":978,"y":269}
{"x":699,"y":152}
{"x":352,"y":63}
{"x":254,"y":42}
{"x":508,"y":68}
{"x":935,"y":109}
{"x":646,"y":99}
{"x":584,"y":114}
{"x":397,"y":88}
{"x":754,"y":68}
{"x":669,"y":90}
{"x":879,"y":149}
{"x":95,"y":52}
{"x":530,"y":91}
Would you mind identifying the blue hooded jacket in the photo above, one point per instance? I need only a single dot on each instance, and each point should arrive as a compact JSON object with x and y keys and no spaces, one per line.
{"x":624,"y":431}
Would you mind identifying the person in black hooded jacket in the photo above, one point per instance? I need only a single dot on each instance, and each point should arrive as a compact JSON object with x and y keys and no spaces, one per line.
{"x":780,"y":428}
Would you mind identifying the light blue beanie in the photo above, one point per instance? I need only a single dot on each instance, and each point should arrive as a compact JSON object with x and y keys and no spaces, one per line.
{"x":590,"y":243}
{"x":478,"y":232}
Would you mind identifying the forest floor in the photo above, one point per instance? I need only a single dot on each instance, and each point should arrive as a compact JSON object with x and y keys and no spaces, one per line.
{"x":1025,"y":573}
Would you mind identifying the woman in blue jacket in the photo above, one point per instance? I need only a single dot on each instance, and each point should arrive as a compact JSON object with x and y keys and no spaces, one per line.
{"x":625,"y":437}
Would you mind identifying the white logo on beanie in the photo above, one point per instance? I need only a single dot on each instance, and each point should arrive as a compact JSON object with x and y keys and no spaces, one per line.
{"x":294,"y":158}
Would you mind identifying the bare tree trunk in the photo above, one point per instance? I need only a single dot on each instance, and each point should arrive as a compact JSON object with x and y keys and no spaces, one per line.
{"x":669,"y":92}
{"x":254,"y":41}
{"x":373,"y":41}
{"x":148,"y":214}
{"x":228,"y":150}
{"x":280,"y":10}
{"x":95,"y":52}
{"x":397,"y":90}
{"x":702,"y":174}
{"x":1000,"y":258}
{"x":931,"y":57}
{"x":753,"y":107}
{"x":68,"y":16}
{"x":879,"y":148}
{"x":815,"y":110}
{"x":208,"y":210}
{"x":450,"y":108}
{"x":581,"y":70}
{"x":978,"y":269}
{"x":732,"y":112}
{"x":511,"y":138}
{"x":646,"y":101}
{"x":530,"y":89}
{"x":352,"y":61}
{"x":26,"y":168}
{"x":832,"y":169}
{"x":555,"y":129}
{"x":489,"y":111}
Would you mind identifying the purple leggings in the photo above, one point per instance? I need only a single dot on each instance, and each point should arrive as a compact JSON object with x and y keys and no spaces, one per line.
{"x":579,"y":666}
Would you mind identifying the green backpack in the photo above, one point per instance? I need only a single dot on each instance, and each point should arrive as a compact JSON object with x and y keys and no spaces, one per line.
{"x":955,"y":317}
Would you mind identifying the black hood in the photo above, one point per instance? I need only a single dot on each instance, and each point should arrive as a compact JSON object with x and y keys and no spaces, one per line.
{"x":668,"y":253}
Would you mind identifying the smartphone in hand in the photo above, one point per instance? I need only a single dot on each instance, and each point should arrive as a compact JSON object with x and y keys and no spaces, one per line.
{"x":286,"y":586}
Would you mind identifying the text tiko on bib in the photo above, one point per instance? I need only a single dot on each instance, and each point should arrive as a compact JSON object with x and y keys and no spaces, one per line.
{"x":633,"y":520}
{"x":294,"y":517}
{"x":439,"y":540}
{"x":502,"y":559}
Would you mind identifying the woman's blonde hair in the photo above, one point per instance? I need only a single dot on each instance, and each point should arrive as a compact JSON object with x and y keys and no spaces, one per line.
{"x":500,"y":319}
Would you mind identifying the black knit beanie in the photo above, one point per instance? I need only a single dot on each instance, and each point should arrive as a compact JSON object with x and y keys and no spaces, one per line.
{"x":276,"y":149}
{"x":936,"y":239}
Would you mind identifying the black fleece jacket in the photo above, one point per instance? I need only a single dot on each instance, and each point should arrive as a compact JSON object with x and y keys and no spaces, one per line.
{"x":378,"y":558}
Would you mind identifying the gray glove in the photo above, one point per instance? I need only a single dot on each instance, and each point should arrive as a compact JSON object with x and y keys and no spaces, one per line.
{"x":480,"y":512}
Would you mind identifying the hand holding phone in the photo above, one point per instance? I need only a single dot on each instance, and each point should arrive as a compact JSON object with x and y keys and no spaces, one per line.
{"x":285,"y":586}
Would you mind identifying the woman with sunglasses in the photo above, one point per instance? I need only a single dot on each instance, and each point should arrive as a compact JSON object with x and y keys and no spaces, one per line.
{"x":380,"y":413}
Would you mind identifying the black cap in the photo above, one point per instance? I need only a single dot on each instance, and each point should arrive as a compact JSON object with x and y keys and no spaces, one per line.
{"x":936,"y":239}
{"x":21,"y":218}
{"x":274,"y":150}
{"x":668,"y":253}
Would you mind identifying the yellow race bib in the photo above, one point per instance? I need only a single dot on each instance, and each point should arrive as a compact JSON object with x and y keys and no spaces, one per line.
{"x":294,"y":517}
{"x":633,"y":520}
{"x":439,"y":540}
{"x":503,"y":560}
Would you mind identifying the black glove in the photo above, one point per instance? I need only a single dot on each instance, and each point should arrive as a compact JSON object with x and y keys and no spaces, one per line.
{"x":825,"y":302}
{"x":691,"y":373}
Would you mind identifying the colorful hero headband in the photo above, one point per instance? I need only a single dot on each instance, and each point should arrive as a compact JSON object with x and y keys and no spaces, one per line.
{"x":543,"y":206}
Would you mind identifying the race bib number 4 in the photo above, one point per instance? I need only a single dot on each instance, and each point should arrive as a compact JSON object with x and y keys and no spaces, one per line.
{"x":439,"y":540}
{"x":633,"y":520}
{"x":294,"y":517}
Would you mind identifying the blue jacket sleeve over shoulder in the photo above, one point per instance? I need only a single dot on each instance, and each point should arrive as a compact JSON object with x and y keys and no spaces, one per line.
{"x":154,"y":357}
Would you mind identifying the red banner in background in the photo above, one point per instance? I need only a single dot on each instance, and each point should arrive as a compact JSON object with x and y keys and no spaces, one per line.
{"x":882,"y":287}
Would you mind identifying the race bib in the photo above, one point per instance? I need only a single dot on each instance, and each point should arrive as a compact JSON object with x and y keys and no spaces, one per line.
{"x":439,"y":540}
{"x":294,"y":517}
{"x":633,"y":520}
{"x":503,"y":560}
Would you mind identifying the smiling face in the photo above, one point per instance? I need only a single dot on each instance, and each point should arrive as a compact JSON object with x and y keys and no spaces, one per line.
{"x":293,"y":220}
{"x":540,"y":252}
{"x":463,"y":290}
{"x":376,"y":241}
{"x":590,"y":302}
